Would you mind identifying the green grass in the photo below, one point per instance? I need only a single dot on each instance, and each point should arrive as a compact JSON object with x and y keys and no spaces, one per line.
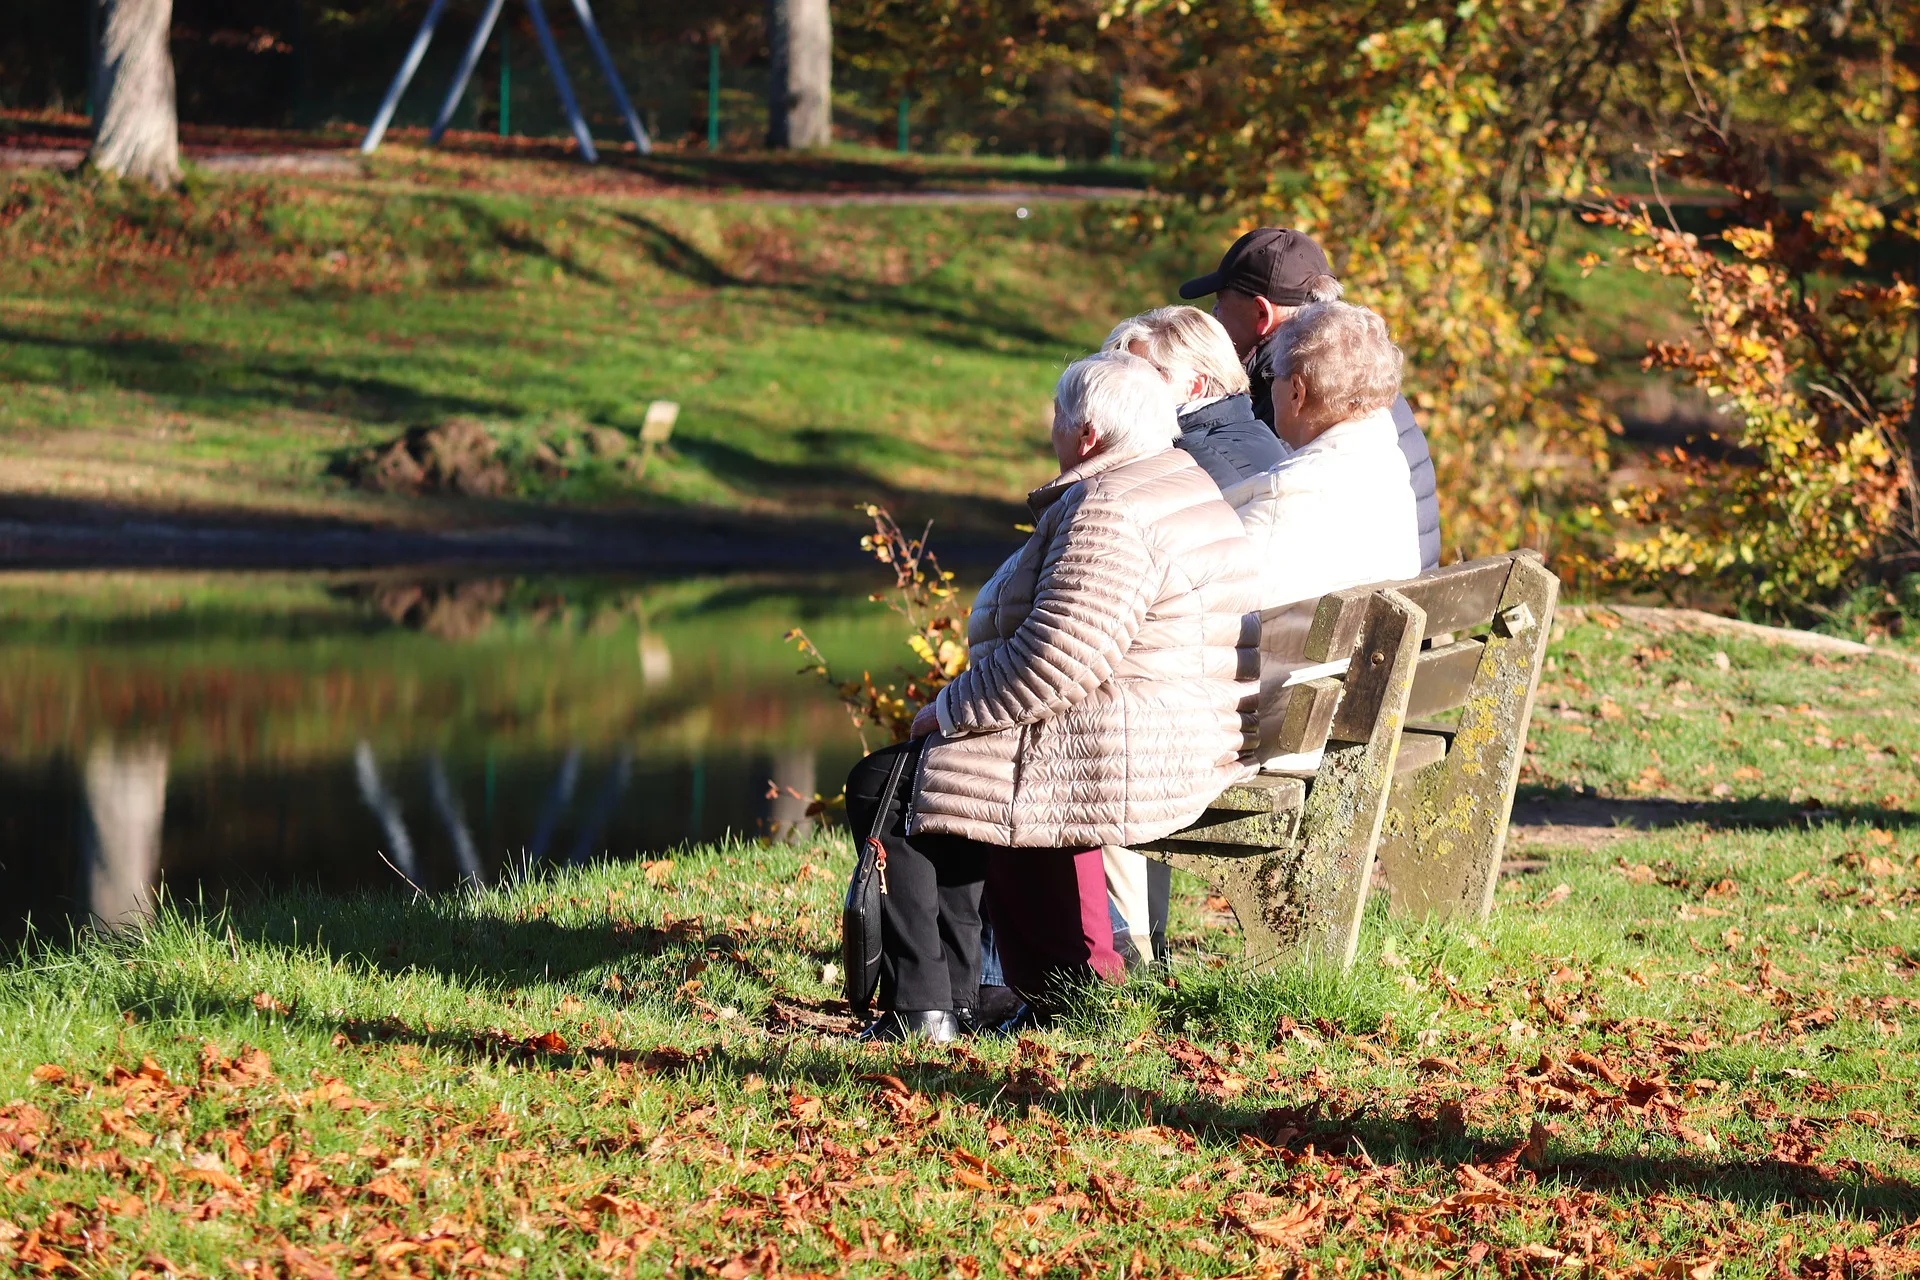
{"x":1665,"y":1053}
{"x":231,"y":346}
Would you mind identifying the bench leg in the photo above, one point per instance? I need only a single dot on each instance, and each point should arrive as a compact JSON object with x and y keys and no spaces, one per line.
{"x":1446,"y":825}
{"x":1305,"y":901}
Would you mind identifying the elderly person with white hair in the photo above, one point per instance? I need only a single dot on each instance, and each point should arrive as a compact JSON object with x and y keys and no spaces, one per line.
{"x":1109,"y":696}
{"x":1339,"y":511}
{"x":1218,"y":422}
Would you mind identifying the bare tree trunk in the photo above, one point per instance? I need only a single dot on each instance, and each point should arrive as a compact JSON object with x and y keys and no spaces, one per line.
{"x":138,"y":130}
{"x":800,"y":79}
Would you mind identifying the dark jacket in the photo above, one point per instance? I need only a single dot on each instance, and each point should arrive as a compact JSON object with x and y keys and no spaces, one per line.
{"x":1228,"y":440}
{"x":1413,"y":443}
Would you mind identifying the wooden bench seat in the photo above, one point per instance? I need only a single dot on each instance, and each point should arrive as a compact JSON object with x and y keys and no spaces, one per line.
{"x":1293,"y":851}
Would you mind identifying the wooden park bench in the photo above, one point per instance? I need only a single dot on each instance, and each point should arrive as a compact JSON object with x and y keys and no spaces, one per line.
{"x":1419,"y":692}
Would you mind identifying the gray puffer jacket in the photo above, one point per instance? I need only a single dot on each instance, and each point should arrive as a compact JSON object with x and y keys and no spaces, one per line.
{"x":1113,"y":667}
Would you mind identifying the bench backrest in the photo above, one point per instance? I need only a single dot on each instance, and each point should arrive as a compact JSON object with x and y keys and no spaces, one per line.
{"x":1336,"y":697}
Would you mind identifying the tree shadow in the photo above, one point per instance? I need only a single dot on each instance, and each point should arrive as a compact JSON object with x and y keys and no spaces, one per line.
{"x":1342,"y":1123}
{"x":212,"y":380}
{"x":1560,"y":808}
{"x":974,"y":325}
{"x":42,"y":532}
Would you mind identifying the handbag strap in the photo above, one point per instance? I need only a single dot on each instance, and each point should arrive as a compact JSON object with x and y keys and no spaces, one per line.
{"x":874,"y":843}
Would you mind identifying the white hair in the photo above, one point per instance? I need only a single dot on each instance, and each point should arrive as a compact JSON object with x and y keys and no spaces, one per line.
{"x":1342,"y":354}
{"x":1324,"y":289}
{"x":1183,"y":343}
{"x":1125,"y":399}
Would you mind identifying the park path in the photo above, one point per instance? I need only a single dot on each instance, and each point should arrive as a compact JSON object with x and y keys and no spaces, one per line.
{"x":349,"y":164}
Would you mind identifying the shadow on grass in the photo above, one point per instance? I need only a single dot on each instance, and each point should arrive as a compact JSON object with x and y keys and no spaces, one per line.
{"x":47,"y":532}
{"x":979,"y":326}
{"x":1558,"y":807}
{"x":499,"y":955}
{"x":211,"y":380}
{"x":1342,"y":1122}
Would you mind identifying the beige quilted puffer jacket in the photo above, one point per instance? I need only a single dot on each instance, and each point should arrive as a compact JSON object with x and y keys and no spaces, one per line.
{"x":1113,"y":667}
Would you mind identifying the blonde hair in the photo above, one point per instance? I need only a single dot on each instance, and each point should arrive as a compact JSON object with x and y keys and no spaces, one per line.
{"x":1183,"y":343}
{"x":1124,"y":397}
{"x":1343,"y":355}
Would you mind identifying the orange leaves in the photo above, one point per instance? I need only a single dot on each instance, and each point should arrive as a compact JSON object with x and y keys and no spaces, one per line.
{"x":268,"y":1004}
{"x":1297,"y":1225}
{"x":251,"y":1068}
{"x":970,"y":1170}
{"x":388,"y":1187}
{"x":334,"y":1092}
{"x":1210,"y":1076}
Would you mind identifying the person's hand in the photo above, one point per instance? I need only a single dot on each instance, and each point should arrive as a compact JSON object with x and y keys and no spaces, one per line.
{"x":924,"y":722}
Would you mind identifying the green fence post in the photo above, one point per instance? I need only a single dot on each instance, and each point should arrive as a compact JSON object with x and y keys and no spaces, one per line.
{"x":506,"y":81}
{"x":1113,"y":140}
{"x":904,"y":100}
{"x":713,"y":95}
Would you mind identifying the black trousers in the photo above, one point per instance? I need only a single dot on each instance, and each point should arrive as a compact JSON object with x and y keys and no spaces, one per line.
{"x":930,"y":913}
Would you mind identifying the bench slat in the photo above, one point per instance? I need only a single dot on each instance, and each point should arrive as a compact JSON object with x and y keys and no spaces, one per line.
{"x":1418,"y":750}
{"x":1460,"y":597}
{"x":1444,"y":675}
{"x":1262,"y":793}
{"x":1308,"y":716}
{"x":1367,"y":679}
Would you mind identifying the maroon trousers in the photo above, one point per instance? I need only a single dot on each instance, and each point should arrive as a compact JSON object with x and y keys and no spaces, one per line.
{"x":1050,"y":918}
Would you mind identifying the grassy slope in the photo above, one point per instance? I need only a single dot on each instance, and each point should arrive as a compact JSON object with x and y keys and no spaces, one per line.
{"x":225,"y":348}
{"x":614,"y":1072}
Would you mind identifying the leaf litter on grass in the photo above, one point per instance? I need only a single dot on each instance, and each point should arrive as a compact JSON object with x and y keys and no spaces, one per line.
{"x":1614,"y":1085}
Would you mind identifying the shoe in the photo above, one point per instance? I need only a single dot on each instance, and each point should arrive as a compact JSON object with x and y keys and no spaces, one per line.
{"x":1024,"y":1017}
{"x":992,"y":1006}
{"x":940,"y":1026}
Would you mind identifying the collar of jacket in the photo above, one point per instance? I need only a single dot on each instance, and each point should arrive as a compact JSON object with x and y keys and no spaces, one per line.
{"x":1049,"y":493}
{"x":1367,"y":429}
{"x":1218,"y":413}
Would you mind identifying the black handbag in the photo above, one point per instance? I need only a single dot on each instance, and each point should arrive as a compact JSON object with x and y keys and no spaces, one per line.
{"x":860,"y":917}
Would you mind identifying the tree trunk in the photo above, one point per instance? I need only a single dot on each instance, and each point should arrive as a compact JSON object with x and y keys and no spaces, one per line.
{"x":138,"y":129}
{"x":800,"y":79}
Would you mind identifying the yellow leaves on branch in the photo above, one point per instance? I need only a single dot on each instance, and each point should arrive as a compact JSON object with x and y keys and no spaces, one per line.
{"x":1813,"y":387}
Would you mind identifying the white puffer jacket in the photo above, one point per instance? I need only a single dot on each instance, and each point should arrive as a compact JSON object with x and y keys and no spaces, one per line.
{"x":1113,"y":667}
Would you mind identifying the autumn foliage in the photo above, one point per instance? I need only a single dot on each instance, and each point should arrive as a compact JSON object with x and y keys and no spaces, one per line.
{"x":927,"y":600}
{"x":1442,"y":153}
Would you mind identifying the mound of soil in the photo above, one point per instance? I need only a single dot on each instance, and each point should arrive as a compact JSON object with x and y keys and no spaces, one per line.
{"x":456,"y":456}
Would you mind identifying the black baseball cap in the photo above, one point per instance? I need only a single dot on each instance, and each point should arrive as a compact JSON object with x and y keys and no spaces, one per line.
{"x":1270,"y":262}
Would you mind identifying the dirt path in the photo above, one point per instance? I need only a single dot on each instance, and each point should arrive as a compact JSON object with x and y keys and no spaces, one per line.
{"x":349,"y":164}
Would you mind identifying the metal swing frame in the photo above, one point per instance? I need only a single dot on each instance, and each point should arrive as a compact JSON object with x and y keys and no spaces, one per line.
{"x":471,"y":58}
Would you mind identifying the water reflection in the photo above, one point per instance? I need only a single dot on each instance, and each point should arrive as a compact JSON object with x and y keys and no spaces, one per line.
{"x":213,"y":734}
{"x":126,"y":789}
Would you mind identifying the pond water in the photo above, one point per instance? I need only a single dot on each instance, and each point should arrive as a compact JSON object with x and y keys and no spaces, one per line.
{"x":203,"y":735}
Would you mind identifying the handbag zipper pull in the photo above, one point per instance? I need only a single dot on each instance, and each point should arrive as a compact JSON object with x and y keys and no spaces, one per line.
{"x":879,"y":861}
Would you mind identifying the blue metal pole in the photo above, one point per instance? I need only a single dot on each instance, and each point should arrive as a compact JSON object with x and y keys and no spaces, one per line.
{"x":468,"y":61}
{"x":560,"y":82}
{"x":384,"y":117}
{"x":904,"y":136}
{"x":641,"y":142}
